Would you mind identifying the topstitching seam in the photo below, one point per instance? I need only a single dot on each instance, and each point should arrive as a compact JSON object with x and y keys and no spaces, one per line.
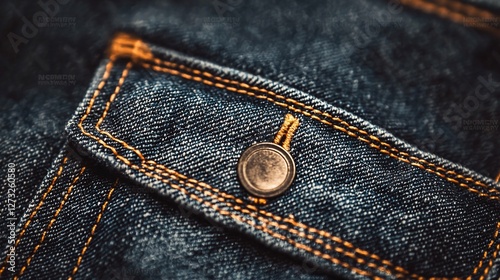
{"x":454,"y":11}
{"x":51,"y":222}
{"x":93,"y":231}
{"x":465,"y":9}
{"x":157,"y":177}
{"x":485,"y":254}
{"x":60,"y":168}
{"x":37,"y":208}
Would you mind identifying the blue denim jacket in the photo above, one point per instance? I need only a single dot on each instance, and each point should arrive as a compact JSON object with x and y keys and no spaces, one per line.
{"x":144,"y":181}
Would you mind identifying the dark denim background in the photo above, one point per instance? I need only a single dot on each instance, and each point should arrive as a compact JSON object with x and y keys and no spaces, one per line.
{"x":409,"y":76}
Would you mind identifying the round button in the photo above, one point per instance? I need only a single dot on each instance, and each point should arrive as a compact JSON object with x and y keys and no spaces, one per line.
{"x":266,"y":169}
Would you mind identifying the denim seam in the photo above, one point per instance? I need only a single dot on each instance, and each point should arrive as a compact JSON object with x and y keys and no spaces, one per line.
{"x":484,"y":258}
{"x":51,"y":222}
{"x":93,"y":230}
{"x":456,"y":6}
{"x":37,"y":208}
{"x":454,"y":11}
{"x":221,"y":198}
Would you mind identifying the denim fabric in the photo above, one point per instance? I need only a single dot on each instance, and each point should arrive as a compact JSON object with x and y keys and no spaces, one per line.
{"x":357,"y":210}
{"x":142,"y":115}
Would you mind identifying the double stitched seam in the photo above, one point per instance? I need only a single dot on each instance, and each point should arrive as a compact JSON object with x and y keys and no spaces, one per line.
{"x":485,"y":254}
{"x":490,"y":263}
{"x":51,"y":222}
{"x":141,"y":53}
{"x":454,"y":11}
{"x":37,"y":208}
{"x":350,"y":130}
{"x":238,"y":208}
{"x":457,"y":6}
{"x":93,"y":230}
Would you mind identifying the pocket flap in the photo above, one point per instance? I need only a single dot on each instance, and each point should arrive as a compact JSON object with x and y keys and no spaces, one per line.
{"x":363,"y":203}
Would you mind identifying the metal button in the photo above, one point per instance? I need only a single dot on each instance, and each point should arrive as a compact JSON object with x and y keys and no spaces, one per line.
{"x":266,"y":169}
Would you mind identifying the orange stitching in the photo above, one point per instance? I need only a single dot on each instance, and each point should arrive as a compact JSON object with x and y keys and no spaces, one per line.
{"x":51,"y":223}
{"x":439,"y":174}
{"x":280,"y":226}
{"x":92,"y":231}
{"x":490,"y":265}
{"x":113,"y":96}
{"x":316,"y":252}
{"x":350,"y":133}
{"x":261,"y":215}
{"x":288,"y":127}
{"x":104,"y":79}
{"x":142,"y":170}
{"x":104,"y":113}
{"x":35,"y":211}
{"x":485,"y":254}
{"x":176,"y":176}
{"x":237,"y":208}
{"x":463,"y":10}
{"x":251,"y":223}
{"x":497,"y":179}
{"x":257,"y":200}
{"x":289,"y":134}
{"x":288,"y":120}
{"x":128,"y":46}
{"x":374,"y":138}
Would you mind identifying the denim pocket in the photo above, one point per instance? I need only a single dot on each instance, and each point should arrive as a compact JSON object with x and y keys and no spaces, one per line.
{"x":364,"y":204}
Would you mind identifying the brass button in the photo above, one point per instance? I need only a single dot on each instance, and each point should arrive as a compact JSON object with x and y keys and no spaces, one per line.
{"x":266,"y":169}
